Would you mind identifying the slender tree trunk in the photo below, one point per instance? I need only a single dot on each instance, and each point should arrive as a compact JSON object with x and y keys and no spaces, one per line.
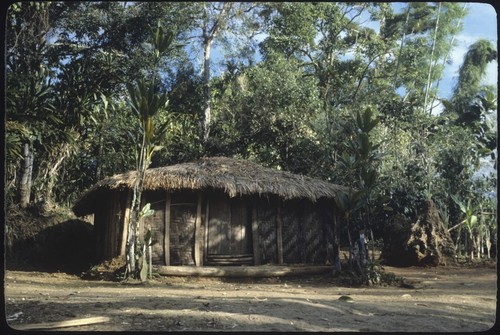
{"x":373,"y":246}
{"x":207,"y":111}
{"x":27,"y":176}
{"x":99,"y":155}
{"x":488,"y":244}
{"x":458,"y":250}
{"x":336,"y":250}
{"x":53,"y":172}
{"x":396,"y":73}
{"x":209,"y":34}
{"x":134,"y":220}
{"x":350,"y":242}
{"x":429,"y":74}
{"x":48,"y":174}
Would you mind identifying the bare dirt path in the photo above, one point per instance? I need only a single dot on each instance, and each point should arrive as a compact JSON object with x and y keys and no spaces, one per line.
{"x":436,"y":299}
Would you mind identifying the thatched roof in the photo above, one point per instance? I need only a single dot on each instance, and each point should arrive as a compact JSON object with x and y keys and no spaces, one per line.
{"x":234,"y":177}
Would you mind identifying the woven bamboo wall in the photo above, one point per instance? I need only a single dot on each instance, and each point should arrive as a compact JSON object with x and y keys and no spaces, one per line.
{"x":157,"y":223}
{"x":306,"y":228}
{"x":266,"y":216}
{"x":293,"y":237}
{"x":314,"y":239}
{"x":182,"y":228}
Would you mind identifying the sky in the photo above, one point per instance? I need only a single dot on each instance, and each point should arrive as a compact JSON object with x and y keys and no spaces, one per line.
{"x":480,"y":23}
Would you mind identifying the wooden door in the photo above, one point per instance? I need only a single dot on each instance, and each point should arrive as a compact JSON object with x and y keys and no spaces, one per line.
{"x":229,"y":227}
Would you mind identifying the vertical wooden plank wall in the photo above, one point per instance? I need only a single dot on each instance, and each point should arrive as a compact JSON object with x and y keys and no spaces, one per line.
{"x":279,"y":233}
{"x":255,"y":235}
{"x":111,"y":231}
{"x":207,"y":218}
{"x":126,"y":217}
{"x":198,"y":234}
{"x":166,"y":241}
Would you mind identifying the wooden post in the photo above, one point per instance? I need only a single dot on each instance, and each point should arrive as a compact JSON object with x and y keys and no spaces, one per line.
{"x":336,"y":241}
{"x":166,"y":240}
{"x":207,"y":220}
{"x":126,"y":217}
{"x":198,"y":234}
{"x":279,"y":233}
{"x":255,"y":236}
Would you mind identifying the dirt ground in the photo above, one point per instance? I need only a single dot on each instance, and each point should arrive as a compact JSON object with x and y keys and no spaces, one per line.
{"x":433,"y":300}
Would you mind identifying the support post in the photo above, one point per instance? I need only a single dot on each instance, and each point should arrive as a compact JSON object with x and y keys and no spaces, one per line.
{"x":255,"y":236}
{"x":279,"y":234}
{"x":126,"y":216}
{"x":198,"y":234}
{"x":166,"y":241}
{"x":207,"y":220}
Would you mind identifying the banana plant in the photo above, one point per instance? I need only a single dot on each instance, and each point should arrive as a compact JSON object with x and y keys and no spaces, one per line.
{"x":347,"y":203}
{"x":360,"y":162}
{"x":470,"y":221}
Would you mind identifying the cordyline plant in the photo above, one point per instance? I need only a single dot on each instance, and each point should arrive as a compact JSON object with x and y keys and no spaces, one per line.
{"x":146,"y":102}
{"x":359,"y":162}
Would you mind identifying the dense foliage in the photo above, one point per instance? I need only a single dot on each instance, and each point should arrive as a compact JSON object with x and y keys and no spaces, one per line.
{"x":345,"y":92}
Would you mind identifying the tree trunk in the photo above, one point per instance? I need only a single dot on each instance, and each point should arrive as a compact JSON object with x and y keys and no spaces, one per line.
{"x":488,"y":244}
{"x":53,"y":173}
{"x":27,"y":176}
{"x":401,"y":47}
{"x":209,"y":34}
{"x":429,"y":74}
{"x":134,"y":220}
{"x":336,"y":250}
{"x":48,"y":174}
{"x":350,"y":242}
{"x":207,"y":46}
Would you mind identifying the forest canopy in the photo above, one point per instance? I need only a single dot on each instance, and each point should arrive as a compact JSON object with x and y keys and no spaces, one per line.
{"x":343,"y":92}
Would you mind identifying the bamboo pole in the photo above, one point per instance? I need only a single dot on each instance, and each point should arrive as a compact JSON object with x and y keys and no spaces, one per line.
{"x":198,"y":234}
{"x":166,"y":240}
{"x":62,"y":324}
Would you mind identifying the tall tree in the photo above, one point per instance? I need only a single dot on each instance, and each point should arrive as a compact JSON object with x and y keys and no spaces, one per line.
{"x":28,"y":80}
{"x":265,"y":112}
{"x":468,"y":125}
{"x":214,"y":20}
{"x":223,"y":22}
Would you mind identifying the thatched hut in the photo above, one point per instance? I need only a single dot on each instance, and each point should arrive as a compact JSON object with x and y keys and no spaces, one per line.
{"x":218,"y":211}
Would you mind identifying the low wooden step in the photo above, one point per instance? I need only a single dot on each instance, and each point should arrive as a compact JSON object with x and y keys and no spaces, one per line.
{"x":244,"y":259}
{"x":243,"y":271}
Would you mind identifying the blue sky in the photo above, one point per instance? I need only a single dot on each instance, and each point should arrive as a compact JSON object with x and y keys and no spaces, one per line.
{"x":480,"y":23}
